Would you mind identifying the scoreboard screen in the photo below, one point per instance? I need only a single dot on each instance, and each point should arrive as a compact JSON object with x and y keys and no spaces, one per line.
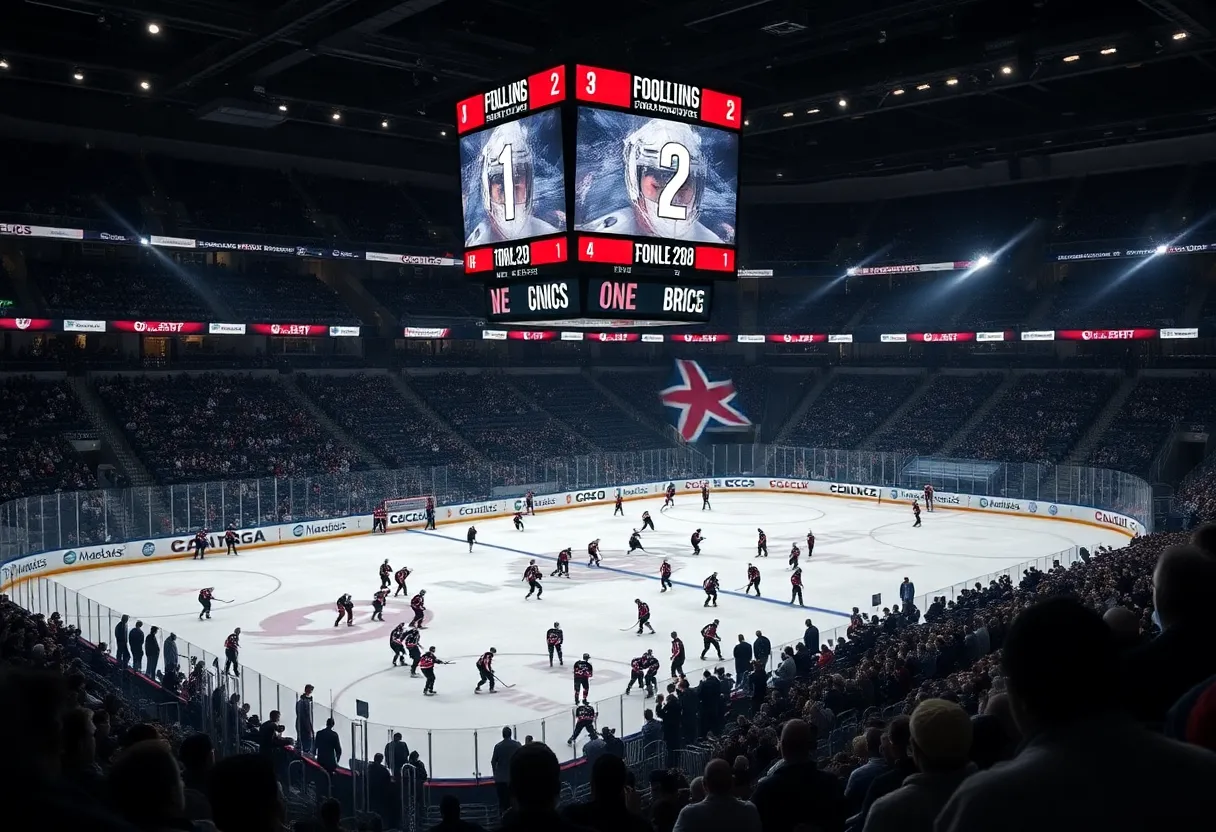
{"x":624,"y":298}
{"x":659,"y":170}
{"x":512,"y":177}
{"x":537,"y":300}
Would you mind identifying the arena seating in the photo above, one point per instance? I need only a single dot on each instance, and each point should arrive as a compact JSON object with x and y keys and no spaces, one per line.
{"x":10,"y":305}
{"x":372,"y":211}
{"x":996,"y":301}
{"x":1039,"y":418}
{"x":579,"y":404}
{"x":109,"y":290}
{"x":850,"y":408}
{"x":943,"y":408}
{"x":808,"y":306}
{"x":495,"y":419}
{"x":1147,"y":419}
{"x":434,"y":297}
{"x":205,"y":427}
{"x":630,"y":385}
{"x":371,"y":408}
{"x":87,"y":186}
{"x":37,"y":459}
{"x":1102,"y":211}
{"x":1105,"y":295}
{"x":274,"y":292}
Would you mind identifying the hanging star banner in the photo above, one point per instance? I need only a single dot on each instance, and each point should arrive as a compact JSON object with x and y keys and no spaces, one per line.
{"x":697,"y":402}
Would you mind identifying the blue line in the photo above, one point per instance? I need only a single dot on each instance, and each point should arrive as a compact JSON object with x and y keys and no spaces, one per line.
{"x":628,"y":572}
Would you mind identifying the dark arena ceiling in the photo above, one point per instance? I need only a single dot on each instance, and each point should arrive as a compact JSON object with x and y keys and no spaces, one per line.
{"x":833,"y":88}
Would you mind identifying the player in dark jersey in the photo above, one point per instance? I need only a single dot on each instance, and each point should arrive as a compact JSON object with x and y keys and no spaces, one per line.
{"x":669,"y":497}
{"x":418,"y":605}
{"x":230,"y":538}
{"x":705,"y":497}
{"x":554,"y":639}
{"x":696,"y":540}
{"x":635,"y":542}
{"x":810,"y":543}
{"x":678,"y":655}
{"x":378,"y":601}
{"x":204,"y":598}
{"x":583,"y":671}
{"x":928,"y":494}
{"x":532,"y":576}
{"x":796,"y":584}
{"x":563,"y":564}
{"x":584,"y":720}
{"x":430,"y":515}
{"x":916,"y":513}
{"x":528,"y":502}
{"x":647,"y":522}
{"x":795,"y":553}
{"x":346,"y":609}
{"x":665,"y":576}
{"x":472,"y":537}
{"x":396,"y":641}
{"x":643,"y":615}
{"x":232,"y":650}
{"x":400,"y":577}
{"x":620,"y":505}
{"x":485,"y":666}
{"x":593,"y":553}
{"x":753,"y":580}
{"x":386,"y":574}
{"x":519,"y":521}
{"x":427,"y":665}
{"x":379,"y":519}
{"x":199,"y":545}
{"x":761,"y":544}
{"x":652,"y":673}
{"x":710,"y":585}
{"x":709,"y":635}
{"x":637,"y":671}
{"x":411,"y":640}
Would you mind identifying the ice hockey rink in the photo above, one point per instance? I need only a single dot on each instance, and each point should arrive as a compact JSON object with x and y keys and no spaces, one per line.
{"x":282,"y":598}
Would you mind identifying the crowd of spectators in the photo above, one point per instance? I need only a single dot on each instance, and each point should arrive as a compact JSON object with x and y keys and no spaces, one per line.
{"x":850,"y":408}
{"x":210,"y":427}
{"x":1039,"y":418}
{"x":37,"y":458}
{"x":1148,"y":418}
{"x":1107,"y":295}
{"x":427,"y":297}
{"x":942,"y":409}
{"x":276,"y":292}
{"x":139,"y":289}
{"x":579,"y":404}
{"x":81,"y":185}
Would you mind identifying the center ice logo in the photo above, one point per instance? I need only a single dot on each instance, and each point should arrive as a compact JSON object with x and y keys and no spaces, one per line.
{"x":313,"y":626}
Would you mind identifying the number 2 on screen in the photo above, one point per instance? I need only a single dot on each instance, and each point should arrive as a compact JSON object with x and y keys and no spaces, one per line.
{"x":730,"y":109}
{"x":673,"y":155}
{"x":508,"y":183}
{"x":557,"y":83}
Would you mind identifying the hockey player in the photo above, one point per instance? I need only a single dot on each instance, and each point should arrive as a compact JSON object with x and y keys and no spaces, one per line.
{"x":647,"y":523}
{"x":593,"y":553}
{"x":411,"y":640}
{"x":710,"y":585}
{"x":696,"y":541}
{"x":563,"y":564}
{"x":678,"y":655}
{"x":795,"y":553}
{"x":761,"y":544}
{"x":427,"y":665}
{"x":705,"y":497}
{"x":928,"y":493}
{"x":620,"y":505}
{"x":418,"y":605}
{"x":709,"y":635}
{"x":505,"y":208}
{"x":232,"y":650}
{"x":230,"y":539}
{"x":916,"y":514}
{"x":472,"y":537}
{"x":643,"y":615}
{"x":204,"y":598}
{"x":810,"y":543}
{"x":199,"y":545}
{"x":635,"y":542}
{"x":430,"y":515}
{"x":386,"y":574}
{"x":485,"y":666}
{"x":378,"y":602}
{"x":796,"y":584}
{"x":583,"y":671}
{"x":396,"y":642}
{"x":753,"y":580}
{"x":532,"y":576}
{"x":637,"y":670}
{"x":528,"y":502}
{"x":554,"y":639}
{"x":665,"y":576}
{"x":379,"y":519}
{"x":400,"y":577}
{"x":584,"y":720}
{"x":519,"y":521}
{"x":669,"y":497}
{"x":652,"y":673}
{"x":346,"y":609}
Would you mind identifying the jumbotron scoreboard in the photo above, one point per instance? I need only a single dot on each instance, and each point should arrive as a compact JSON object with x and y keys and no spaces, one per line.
{"x":593,"y":193}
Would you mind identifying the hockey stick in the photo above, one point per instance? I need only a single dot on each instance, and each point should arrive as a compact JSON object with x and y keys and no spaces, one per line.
{"x":627,"y":629}
{"x":222,"y":601}
{"x":501,"y":682}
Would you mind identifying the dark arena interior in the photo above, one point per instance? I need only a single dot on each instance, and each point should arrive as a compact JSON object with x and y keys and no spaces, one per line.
{"x":309,"y":299}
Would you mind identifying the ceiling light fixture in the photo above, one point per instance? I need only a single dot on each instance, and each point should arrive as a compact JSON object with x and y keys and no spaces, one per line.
{"x":812,"y":111}
{"x":1006,"y":70}
{"x":153,"y":28}
{"x":384,"y":124}
{"x":1110,"y":50}
{"x":1068,"y":59}
{"x":3,"y":64}
{"x":899,"y":91}
{"x":951,"y":82}
{"x":78,"y":75}
{"x":1180,"y":36}
{"x":282,"y":108}
{"x":922,"y":87}
{"x":842,"y":103}
{"x":336,"y":116}
{"x":443,"y":133}
{"x":746,"y":123}
{"x":788,"y":114}
{"x":145,"y":86}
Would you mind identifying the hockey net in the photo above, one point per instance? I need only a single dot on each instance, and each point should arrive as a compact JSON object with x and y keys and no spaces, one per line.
{"x":407,"y":511}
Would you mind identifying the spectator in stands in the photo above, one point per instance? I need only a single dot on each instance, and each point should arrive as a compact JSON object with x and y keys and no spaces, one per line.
{"x":797,"y":792}
{"x":329,"y":747}
{"x":145,"y":786}
{"x":720,"y":811}
{"x":896,"y":749}
{"x":652,"y":729}
{"x":1065,"y":700}
{"x":245,"y":797}
{"x":665,"y":802}
{"x":396,"y":753}
{"x":197,"y":754}
{"x":874,"y":766}
{"x":449,"y":812}
{"x":1184,"y":584}
{"x":994,"y":736}
{"x":330,"y":816}
{"x":941,"y":745}
{"x":500,"y":762}
{"x":614,"y":804}
{"x":79,"y":758}
{"x":535,"y":786}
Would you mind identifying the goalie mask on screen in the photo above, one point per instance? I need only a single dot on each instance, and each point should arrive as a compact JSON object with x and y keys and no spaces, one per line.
{"x":655,"y":154}
{"x":507,"y":185}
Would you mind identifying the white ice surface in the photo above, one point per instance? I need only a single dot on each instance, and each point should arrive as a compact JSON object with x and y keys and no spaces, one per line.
{"x":283,"y":599}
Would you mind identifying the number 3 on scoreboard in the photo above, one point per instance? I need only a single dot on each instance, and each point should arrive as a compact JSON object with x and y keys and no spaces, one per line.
{"x":589,"y":88}
{"x":673,"y":155}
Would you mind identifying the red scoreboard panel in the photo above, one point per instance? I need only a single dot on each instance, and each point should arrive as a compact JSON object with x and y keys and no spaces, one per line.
{"x":510,"y":101}
{"x":613,"y":88}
